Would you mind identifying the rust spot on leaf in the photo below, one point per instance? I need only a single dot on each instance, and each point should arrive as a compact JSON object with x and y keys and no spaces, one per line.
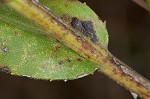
{"x":56,"y":47}
{"x":61,"y":62}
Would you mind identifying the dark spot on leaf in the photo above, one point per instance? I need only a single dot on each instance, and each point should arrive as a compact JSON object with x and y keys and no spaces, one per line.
{"x":61,"y":62}
{"x":5,"y":69}
{"x":79,"y":59}
{"x":77,"y":24}
{"x":68,"y":60}
{"x":87,"y":56}
{"x":67,"y":18}
{"x":86,"y":28}
{"x":5,"y":49}
{"x":17,"y":33}
{"x":65,"y":5}
{"x":56,"y":48}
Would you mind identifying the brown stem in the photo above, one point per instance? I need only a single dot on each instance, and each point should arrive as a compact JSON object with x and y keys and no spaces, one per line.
{"x":125,"y":76}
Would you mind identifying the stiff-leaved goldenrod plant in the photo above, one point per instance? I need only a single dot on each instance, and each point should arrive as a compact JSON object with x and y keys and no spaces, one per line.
{"x":59,"y":40}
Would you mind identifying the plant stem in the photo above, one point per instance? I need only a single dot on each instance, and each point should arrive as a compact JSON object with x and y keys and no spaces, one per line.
{"x":125,"y":76}
{"x":111,"y":66}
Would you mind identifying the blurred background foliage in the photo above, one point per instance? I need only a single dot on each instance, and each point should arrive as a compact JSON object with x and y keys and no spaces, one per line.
{"x":129,"y":40}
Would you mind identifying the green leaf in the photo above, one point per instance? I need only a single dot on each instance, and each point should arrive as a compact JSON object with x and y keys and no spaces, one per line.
{"x":66,"y":9}
{"x":26,"y":50}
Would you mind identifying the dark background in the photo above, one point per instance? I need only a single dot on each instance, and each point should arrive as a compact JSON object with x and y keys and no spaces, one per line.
{"x":128,"y":26}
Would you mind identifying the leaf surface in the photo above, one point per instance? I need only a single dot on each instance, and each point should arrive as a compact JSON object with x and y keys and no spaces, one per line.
{"x":26,"y":50}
